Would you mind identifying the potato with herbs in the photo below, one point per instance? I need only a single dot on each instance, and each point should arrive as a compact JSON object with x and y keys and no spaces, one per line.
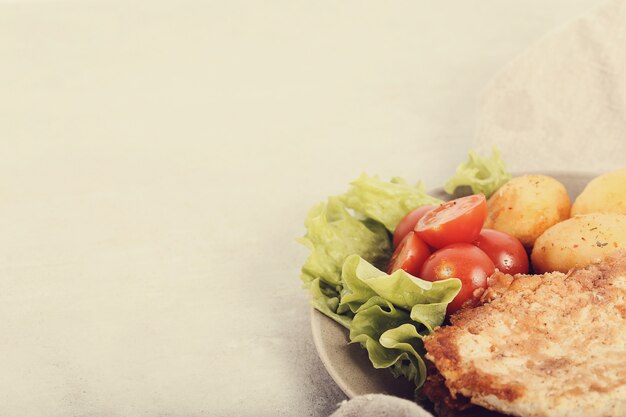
{"x":604,"y":194}
{"x":526,"y":206}
{"x":579,"y":241}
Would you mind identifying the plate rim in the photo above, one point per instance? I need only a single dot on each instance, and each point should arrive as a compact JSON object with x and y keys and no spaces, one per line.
{"x":316,"y":318}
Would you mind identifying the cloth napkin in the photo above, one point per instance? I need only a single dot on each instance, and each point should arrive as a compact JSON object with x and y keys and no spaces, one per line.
{"x":561,"y":105}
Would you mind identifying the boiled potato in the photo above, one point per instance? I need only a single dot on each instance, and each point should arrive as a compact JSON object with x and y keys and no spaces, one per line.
{"x":578,"y":241}
{"x":604,"y":194}
{"x":526,"y":206}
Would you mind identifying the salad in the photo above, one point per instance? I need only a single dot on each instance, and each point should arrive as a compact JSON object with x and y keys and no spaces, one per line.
{"x":390,"y":262}
{"x":413,"y":277}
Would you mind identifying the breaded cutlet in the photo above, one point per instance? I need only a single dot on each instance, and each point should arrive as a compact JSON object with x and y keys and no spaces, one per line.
{"x":542,"y":345}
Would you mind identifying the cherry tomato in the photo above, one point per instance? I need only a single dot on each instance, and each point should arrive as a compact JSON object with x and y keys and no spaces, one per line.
{"x":506,"y":252}
{"x":407,"y":224}
{"x":409,"y":255}
{"x":456,"y":221}
{"x":463,"y":261}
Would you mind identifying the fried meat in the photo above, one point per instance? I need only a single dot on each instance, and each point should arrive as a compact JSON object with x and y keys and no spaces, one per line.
{"x":542,"y":345}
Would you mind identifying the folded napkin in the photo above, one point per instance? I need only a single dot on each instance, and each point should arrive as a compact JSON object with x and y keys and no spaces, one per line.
{"x":559,"y":106}
{"x":379,"y":405}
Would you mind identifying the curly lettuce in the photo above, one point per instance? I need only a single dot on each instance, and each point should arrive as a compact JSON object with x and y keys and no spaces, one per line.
{"x":332,"y":235}
{"x":386,"y":202}
{"x":480,"y":174}
{"x":349,"y":241}
{"x":362,"y":281}
{"x":393,"y":313}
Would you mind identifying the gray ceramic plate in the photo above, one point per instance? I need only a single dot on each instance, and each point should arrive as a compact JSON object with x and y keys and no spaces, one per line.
{"x":349,"y":365}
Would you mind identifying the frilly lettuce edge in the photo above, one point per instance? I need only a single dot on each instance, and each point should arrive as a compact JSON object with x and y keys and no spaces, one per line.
{"x":349,"y":240}
{"x":392,"y":313}
{"x":483,"y":175}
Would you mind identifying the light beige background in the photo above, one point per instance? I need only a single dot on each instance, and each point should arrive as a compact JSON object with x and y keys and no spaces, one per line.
{"x":157,"y":160}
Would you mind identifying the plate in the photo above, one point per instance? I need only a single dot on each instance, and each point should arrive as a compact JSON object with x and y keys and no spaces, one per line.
{"x":348,"y":364}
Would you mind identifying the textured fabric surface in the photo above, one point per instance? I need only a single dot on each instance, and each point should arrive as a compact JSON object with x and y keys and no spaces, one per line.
{"x":379,"y":405}
{"x":561,"y":105}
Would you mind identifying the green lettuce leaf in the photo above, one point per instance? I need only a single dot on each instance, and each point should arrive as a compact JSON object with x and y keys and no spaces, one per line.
{"x":392,"y":313}
{"x":482,"y":175}
{"x":377,"y":322}
{"x":349,"y":240}
{"x":326,"y":300}
{"x":332,"y":235}
{"x":362,"y":281}
{"x":386,"y":202}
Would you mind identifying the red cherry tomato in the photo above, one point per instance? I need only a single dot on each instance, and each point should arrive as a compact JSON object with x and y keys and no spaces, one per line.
{"x":463,"y":261}
{"x":506,"y":252}
{"x":456,"y":221}
{"x":407,"y":224}
{"x":409,"y":255}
